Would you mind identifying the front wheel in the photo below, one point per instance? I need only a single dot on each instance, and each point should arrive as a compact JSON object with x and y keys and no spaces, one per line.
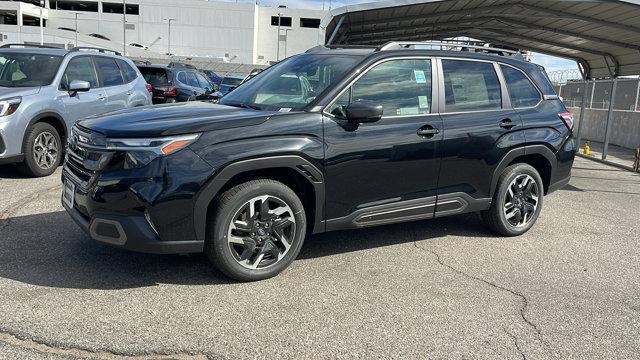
{"x":517,"y":201}
{"x":43,"y":150}
{"x":256,"y":230}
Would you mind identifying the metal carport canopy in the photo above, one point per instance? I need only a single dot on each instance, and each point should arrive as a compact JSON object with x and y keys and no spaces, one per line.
{"x":602,"y":36}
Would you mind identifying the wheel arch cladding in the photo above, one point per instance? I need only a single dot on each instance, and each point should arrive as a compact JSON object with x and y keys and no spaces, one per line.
{"x":538,"y":156}
{"x":54,"y":120}
{"x":304,"y":178}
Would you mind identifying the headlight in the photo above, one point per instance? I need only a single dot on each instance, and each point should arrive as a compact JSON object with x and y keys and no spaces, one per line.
{"x":140,"y":152}
{"x":160,"y":146}
{"x":10,"y":105}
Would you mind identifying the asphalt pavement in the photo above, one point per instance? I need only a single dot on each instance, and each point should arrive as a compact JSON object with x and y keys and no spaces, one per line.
{"x":438,"y":289}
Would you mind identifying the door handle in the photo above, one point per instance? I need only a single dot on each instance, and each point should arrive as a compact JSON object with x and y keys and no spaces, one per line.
{"x":428,"y":131}
{"x":129,"y":92}
{"x":507,"y":124}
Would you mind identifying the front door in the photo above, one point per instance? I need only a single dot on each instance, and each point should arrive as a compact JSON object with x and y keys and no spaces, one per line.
{"x":385,"y":171}
{"x":81,"y":104}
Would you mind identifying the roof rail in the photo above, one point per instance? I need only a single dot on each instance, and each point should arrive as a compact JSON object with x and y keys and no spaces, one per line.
{"x":462,"y":45}
{"x":340,"y":46}
{"x":6,"y":46}
{"x":177,"y":64}
{"x":101,"y":50}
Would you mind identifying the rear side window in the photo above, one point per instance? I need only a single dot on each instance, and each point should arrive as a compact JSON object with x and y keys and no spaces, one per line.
{"x":471,"y":86}
{"x":129,"y":73}
{"x":154,"y":76}
{"x":522,"y":92}
{"x":402,"y":87}
{"x":109,"y":71}
{"x":192,"y":80}
{"x":182,"y":77}
{"x":80,"y":68}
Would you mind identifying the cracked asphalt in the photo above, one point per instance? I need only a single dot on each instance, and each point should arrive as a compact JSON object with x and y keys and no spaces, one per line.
{"x":438,"y":289}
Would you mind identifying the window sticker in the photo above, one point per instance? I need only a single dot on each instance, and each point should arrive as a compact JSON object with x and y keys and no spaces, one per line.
{"x":420,"y":77}
{"x":408,"y":111}
{"x":285,"y":110}
{"x":423,"y":102}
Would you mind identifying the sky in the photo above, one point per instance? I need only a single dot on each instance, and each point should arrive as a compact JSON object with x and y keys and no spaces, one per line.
{"x":550,"y":63}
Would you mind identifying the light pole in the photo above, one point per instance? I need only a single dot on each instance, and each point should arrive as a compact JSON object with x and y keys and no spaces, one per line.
{"x":41,"y":24}
{"x":278,"y":39}
{"x":124,"y":27}
{"x":76,"y":14}
{"x":169,"y":37}
{"x":286,"y":39}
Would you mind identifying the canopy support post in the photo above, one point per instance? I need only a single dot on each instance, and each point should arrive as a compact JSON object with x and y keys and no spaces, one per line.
{"x":607,"y":134}
{"x":583,"y":108}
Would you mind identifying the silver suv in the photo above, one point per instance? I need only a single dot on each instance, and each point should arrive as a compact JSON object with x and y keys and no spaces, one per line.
{"x":44,"y":91}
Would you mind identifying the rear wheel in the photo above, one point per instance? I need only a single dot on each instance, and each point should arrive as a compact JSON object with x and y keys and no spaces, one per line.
{"x":255,"y":230}
{"x":517,"y":201}
{"x":42,"y":150}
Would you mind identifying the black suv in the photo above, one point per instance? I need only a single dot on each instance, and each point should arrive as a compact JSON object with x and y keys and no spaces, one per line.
{"x":327,"y":140}
{"x":176,"y":83}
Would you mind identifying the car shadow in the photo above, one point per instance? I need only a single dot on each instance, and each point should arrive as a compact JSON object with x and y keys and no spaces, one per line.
{"x":50,"y":250}
{"x":11,"y":172}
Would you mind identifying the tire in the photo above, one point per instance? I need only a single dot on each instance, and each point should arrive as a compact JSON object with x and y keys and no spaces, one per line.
{"x":515,"y":215}
{"x":235,"y":240}
{"x":42,"y":150}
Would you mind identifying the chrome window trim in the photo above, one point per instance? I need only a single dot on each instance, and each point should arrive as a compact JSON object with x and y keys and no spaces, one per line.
{"x":434,"y":88}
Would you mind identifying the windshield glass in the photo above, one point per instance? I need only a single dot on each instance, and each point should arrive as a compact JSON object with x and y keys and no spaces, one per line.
{"x":24,"y":70}
{"x":291,"y":84}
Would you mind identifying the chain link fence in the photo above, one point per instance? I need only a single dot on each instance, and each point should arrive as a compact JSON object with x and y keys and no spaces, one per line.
{"x":599,"y":94}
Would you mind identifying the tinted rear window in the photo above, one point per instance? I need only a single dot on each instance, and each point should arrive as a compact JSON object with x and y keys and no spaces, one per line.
{"x":109,"y":71}
{"x":154,"y":76}
{"x":231,"y":81}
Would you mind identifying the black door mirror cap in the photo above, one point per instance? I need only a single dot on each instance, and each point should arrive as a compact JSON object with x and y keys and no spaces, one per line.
{"x":361,"y":111}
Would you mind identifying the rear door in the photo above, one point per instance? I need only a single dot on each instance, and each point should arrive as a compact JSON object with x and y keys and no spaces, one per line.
{"x":113,"y":83}
{"x":81,"y":104}
{"x":479,"y":128}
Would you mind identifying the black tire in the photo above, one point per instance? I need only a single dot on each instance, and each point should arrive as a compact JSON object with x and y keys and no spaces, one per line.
{"x":496,"y":218}
{"x":30,"y":165}
{"x":225,"y":210}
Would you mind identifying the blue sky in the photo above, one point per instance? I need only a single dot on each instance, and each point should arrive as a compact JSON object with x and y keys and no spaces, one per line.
{"x":549,"y":62}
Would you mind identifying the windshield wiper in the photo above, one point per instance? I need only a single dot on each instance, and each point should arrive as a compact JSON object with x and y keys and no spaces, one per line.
{"x":245,"y":105}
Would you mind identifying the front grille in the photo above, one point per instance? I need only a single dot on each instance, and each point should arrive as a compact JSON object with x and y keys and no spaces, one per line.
{"x":86,"y":156}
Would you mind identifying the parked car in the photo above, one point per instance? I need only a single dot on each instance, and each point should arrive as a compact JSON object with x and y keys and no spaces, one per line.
{"x":229,"y":83}
{"x":177,"y":84}
{"x":99,"y":36}
{"x":44,"y":91}
{"x":144,"y":47}
{"x":213,"y":77}
{"x":327,"y":140}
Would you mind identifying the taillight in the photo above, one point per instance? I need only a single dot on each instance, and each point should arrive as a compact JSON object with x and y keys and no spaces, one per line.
{"x":567,"y":118}
{"x":149,"y":88}
{"x":171,"y":91}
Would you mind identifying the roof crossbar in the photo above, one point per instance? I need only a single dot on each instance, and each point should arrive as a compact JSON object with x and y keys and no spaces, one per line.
{"x":101,"y":50}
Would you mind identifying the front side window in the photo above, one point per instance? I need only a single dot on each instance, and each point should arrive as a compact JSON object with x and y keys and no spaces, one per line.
{"x":293,"y":83}
{"x":25,"y":70}
{"x":521,"y":91}
{"x":470,"y":86}
{"x":109,"y":71}
{"x":204,"y":83}
{"x":192,"y":80}
{"x":402,"y":87}
{"x":80,"y":68}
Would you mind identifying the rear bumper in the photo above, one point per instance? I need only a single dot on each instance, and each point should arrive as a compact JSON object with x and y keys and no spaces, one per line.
{"x":130,"y":233}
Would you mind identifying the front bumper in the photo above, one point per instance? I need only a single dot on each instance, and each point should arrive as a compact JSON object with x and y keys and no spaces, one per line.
{"x":130,"y":233}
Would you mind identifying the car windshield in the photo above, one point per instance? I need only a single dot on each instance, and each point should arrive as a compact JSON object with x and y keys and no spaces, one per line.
{"x":25,"y":70}
{"x":291,"y":84}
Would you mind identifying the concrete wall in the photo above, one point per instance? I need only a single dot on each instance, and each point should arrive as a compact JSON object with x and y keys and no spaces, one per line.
{"x":625,"y":129}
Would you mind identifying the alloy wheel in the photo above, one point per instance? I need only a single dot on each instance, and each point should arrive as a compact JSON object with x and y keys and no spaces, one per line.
{"x":261,"y":232}
{"x":521,"y":201}
{"x":45,"y":150}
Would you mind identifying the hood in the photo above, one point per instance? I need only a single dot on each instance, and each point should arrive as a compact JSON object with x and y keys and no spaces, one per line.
{"x":173,"y":119}
{"x":9,"y":92}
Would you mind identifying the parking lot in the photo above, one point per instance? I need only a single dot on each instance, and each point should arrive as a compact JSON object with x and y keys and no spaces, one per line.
{"x":444,"y":288}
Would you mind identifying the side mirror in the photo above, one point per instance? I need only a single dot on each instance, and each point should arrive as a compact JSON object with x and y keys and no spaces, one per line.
{"x":78,"y":85}
{"x":359,"y":112}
